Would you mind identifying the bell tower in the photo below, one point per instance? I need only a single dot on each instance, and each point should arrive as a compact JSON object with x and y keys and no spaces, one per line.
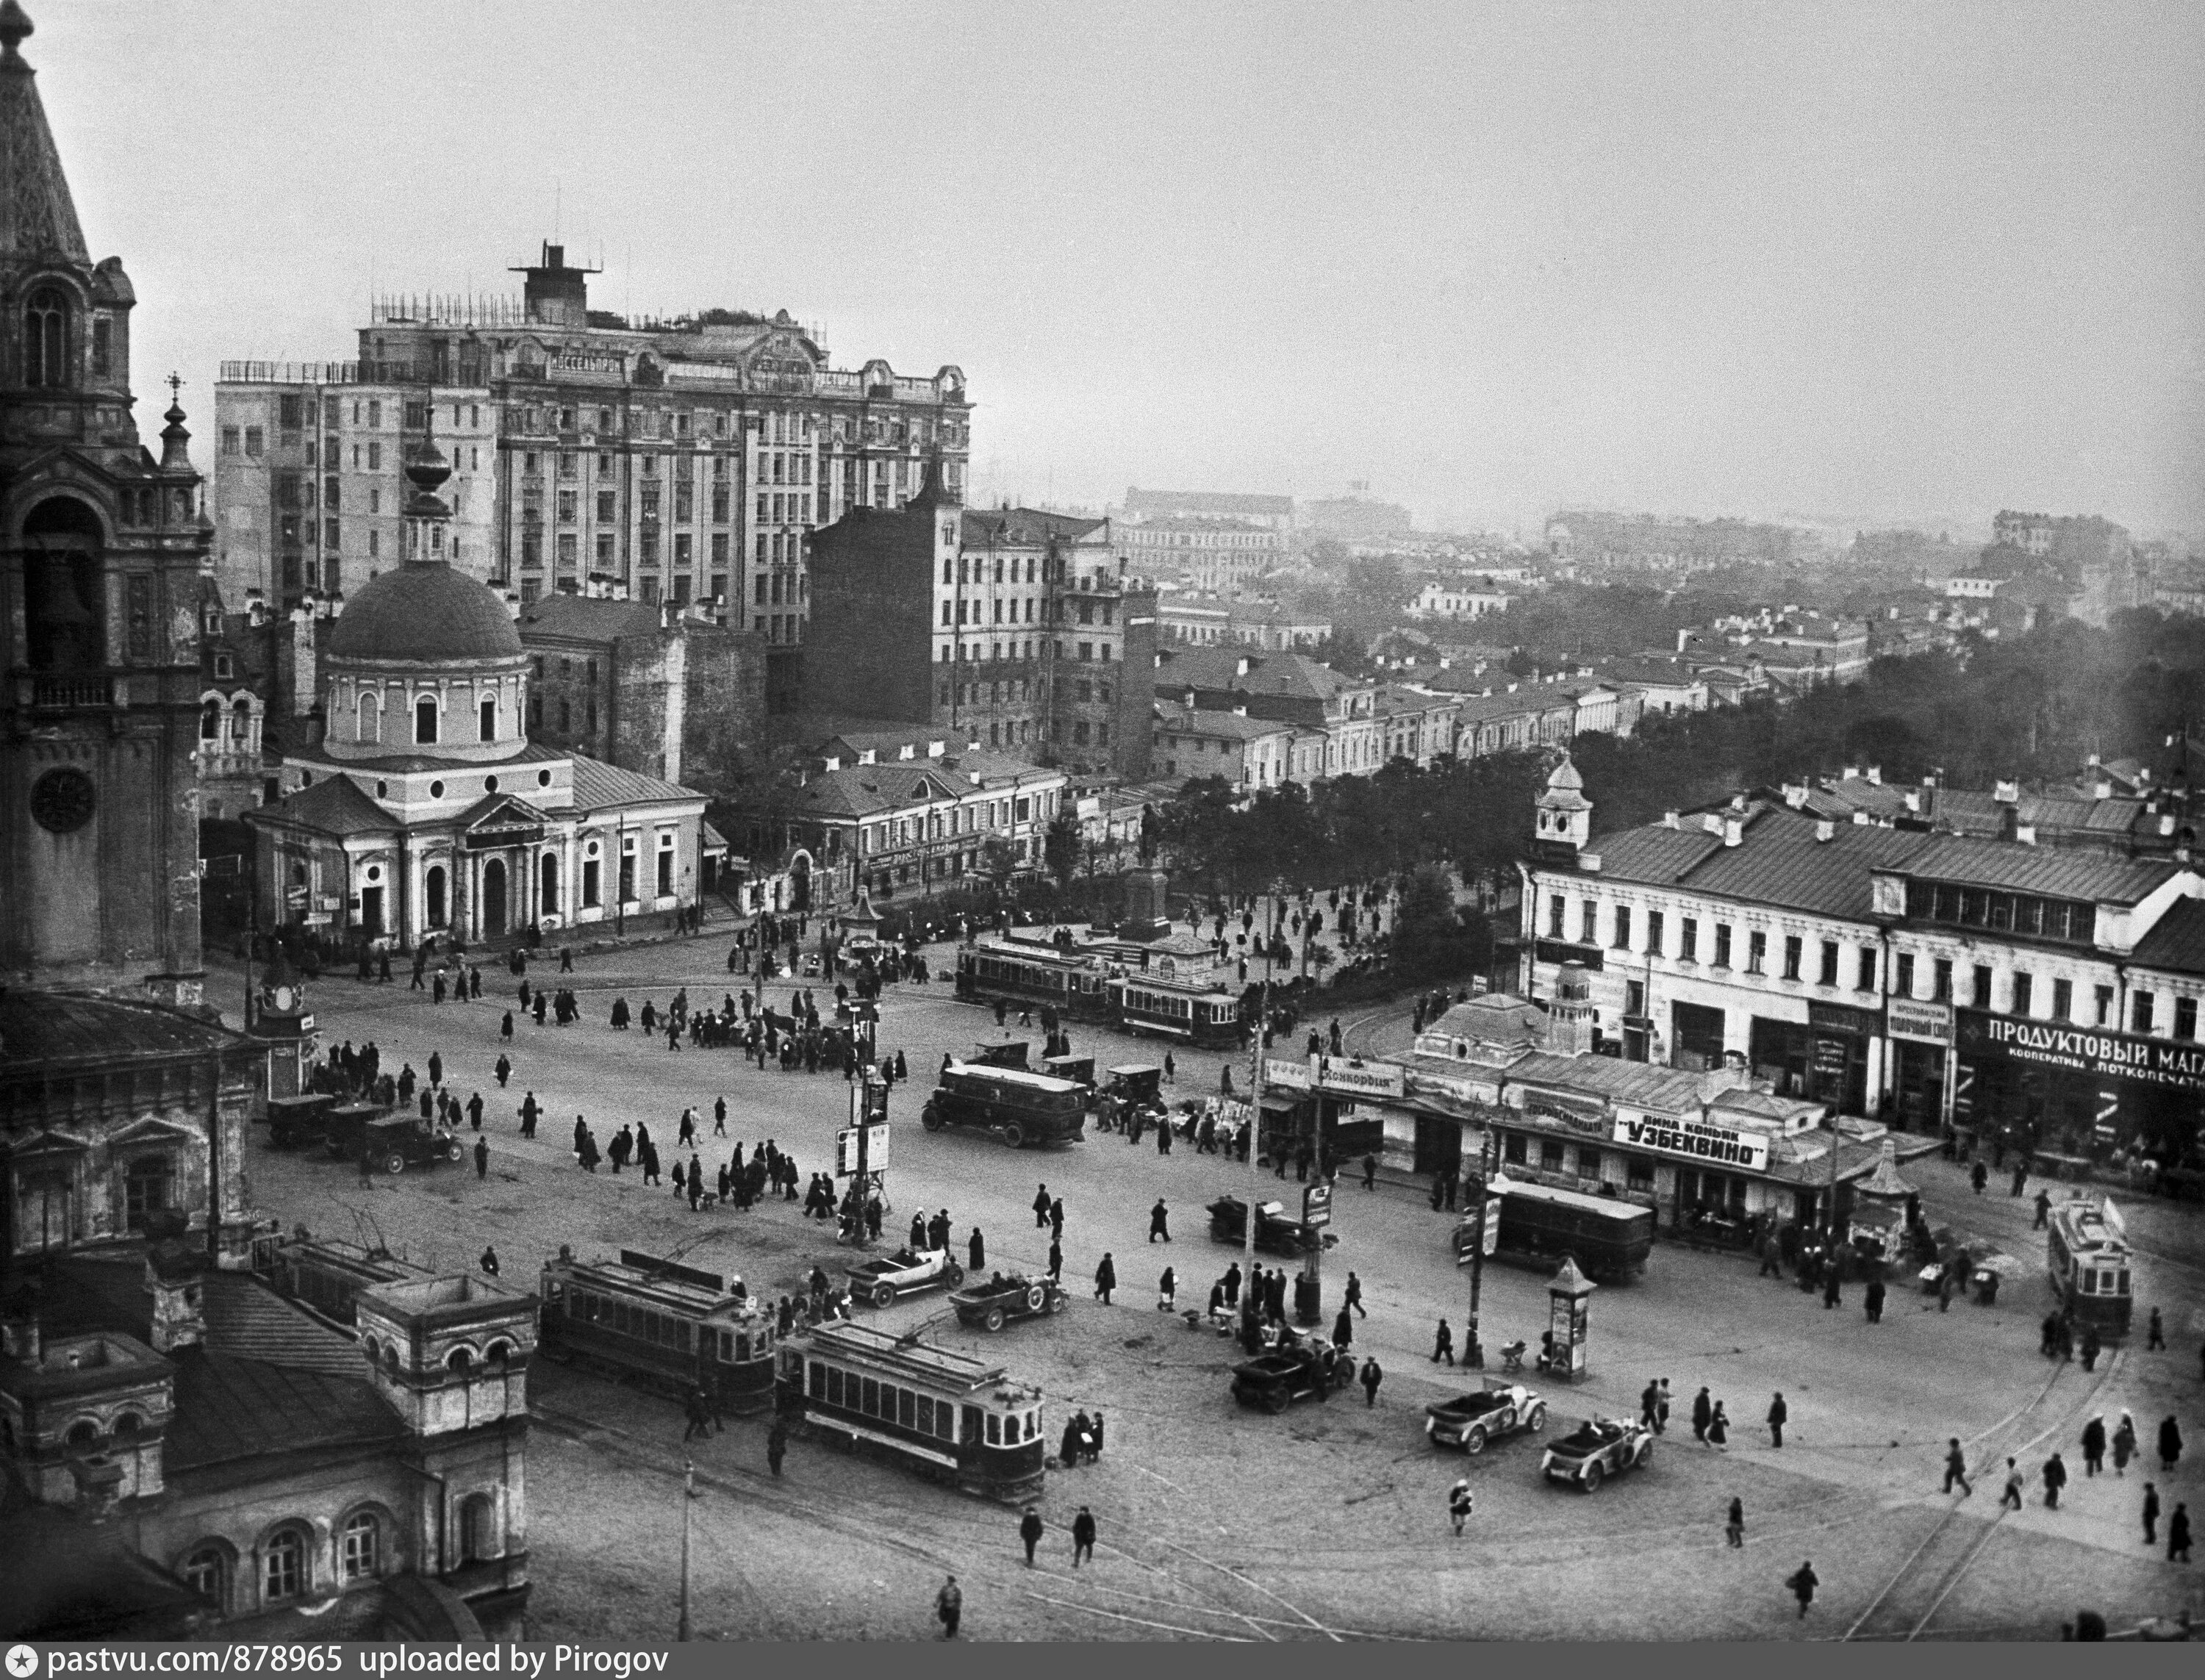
{"x":1564,"y":818}
{"x":101,"y":548}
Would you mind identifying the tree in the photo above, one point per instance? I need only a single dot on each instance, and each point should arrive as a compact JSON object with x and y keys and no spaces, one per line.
{"x":1001,"y":861}
{"x":1060,"y":848}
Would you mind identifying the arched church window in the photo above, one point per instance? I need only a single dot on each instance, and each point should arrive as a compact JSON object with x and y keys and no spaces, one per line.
{"x":211,"y":721}
{"x":424,"y":722}
{"x":487,"y":711}
{"x":45,"y":338}
{"x":371,"y":718}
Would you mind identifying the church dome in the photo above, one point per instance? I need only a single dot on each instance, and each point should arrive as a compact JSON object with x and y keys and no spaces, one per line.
{"x":425,"y":609}
{"x":1565,"y":776}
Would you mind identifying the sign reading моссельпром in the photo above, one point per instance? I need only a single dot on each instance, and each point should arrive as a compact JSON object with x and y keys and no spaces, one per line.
{"x":2096,"y":1052}
{"x":1695,"y":1140}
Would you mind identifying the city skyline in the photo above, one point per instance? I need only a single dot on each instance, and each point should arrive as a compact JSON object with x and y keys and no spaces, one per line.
{"x":1888,"y":264}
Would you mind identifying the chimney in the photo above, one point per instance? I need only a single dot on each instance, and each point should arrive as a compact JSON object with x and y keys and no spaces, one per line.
{"x":2024,"y":833}
{"x":1874,"y":773}
{"x":1913,"y":798}
{"x":1241,"y":668}
{"x":1825,"y":832}
{"x":1853,"y":771}
{"x":1712,"y":822}
{"x":2091,"y":763}
{"x":2006,"y":792}
{"x":1670,"y":820}
{"x":2102,"y":788}
{"x":1860,"y":819}
{"x":173,"y":1278}
{"x":1795,"y":794}
{"x":1734,"y":832}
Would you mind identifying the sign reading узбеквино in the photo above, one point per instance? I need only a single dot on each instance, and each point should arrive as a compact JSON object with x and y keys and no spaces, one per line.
{"x":2104,"y":1055}
{"x":1722,"y":1145}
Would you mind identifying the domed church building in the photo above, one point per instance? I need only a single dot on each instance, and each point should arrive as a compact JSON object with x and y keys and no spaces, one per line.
{"x":426,"y":811}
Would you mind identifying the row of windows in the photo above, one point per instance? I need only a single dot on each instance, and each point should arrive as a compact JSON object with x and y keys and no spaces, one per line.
{"x":2069,"y":921}
{"x":284,"y":1568}
{"x":1023,"y":688}
{"x":1593,"y":1165}
{"x":922,"y":1414}
{"x":1087,"y":652}
{"x":1828,"y":954}
{"x":2022,"y":996}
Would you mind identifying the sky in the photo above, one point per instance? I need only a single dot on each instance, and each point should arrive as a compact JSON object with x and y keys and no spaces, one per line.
{"x":1854,"y":263}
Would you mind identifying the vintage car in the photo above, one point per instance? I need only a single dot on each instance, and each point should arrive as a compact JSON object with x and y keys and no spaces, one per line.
{"x":880,"y":1281}
{"x":299,"y":1120}
{"x":1013,"y":1105}
{"x":1274,"y":1232}
{"x":1004,"y":1296}
{"x":1596,"y":1449}
{"x":396,"y":1142}
{"x":1470,"y":1421}
{"x":1274,"y":1381}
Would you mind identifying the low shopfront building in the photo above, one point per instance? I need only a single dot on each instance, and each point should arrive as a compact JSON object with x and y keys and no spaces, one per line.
{"x":2076,"y":1091}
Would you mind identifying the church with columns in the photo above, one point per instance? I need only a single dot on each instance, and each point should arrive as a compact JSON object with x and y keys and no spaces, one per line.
{"x":425,"y":809}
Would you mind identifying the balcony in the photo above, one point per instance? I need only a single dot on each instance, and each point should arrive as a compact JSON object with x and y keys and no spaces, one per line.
{"x":74,"y":692}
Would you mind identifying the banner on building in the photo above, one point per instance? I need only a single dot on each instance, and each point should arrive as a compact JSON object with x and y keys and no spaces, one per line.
{"x":1695,"y":1140}
{"x":1385,"y":1080}
{"x":2097,"y":1053}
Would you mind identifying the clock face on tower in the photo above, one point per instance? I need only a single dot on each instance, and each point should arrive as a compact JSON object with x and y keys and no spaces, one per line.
{"x":284,"y":1000}
{"x":62,"y":800}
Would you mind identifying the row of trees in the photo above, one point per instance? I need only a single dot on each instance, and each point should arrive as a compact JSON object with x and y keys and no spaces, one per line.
{"x":2031,"y":708}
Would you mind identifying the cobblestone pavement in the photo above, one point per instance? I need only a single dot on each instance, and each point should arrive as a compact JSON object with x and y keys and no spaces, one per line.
{"x":1327,"y":1523}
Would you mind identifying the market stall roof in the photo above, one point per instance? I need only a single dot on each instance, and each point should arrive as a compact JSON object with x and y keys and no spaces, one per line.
{"x":1885,"y":1183}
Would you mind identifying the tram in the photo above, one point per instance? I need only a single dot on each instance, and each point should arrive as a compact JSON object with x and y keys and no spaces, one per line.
{"x":2086,"y":1254}
{"x":1073,"y":985}
{"x":943,"y":1415}
{"x":1200,"y":1014}
{"x":672,"y":1326}
{"x":1081,"y":989}
{"x":325,"y":1275}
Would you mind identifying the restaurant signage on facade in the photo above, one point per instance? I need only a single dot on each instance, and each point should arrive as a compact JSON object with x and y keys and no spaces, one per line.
{"x":1695,"y":1140}
{"x":2094,"y":1052}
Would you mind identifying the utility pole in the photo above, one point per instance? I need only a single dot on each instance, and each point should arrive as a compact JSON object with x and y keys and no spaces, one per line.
{"x":688,"y":1496}
{"x":1485,"y":1211}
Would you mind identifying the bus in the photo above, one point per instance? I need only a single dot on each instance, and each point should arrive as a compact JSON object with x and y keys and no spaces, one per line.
{"x":943,"y":1414}
{"x":1016,"y":1106}
{"x":1023,"y":974}
{"x":673,"y":1327}
{"x":1201,"y":1014}
{"x":1610,"y":1240}
{"x":2086,"y":1256}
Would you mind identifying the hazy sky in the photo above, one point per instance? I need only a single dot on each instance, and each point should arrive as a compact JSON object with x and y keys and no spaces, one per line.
{"x":1860,"y":261}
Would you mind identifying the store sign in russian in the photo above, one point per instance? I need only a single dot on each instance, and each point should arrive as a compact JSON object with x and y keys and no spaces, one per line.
{"x":2103,"y":1055}
{"x":1924,"y":1023}
{"x":1697,"y":1140}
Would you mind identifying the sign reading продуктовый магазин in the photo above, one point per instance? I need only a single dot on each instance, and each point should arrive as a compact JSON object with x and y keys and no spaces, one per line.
{"x":2096,"y":1052}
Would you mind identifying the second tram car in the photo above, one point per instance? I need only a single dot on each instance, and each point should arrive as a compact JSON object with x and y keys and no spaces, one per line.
{"x":674,"y":1327}
{"x":945,"y":1415}
{"x":2087,"y":1259}
{"x":1186,"y":1009}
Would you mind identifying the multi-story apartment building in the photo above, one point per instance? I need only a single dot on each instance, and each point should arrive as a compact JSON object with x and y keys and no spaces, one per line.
{"x":1009,"y":626}
{"x":1342,"y":730}
{"x":686,"y":460}
{"x":307,"y":484}
{"x":1271,"y":513}
{"x":1210,"y":621}
{"x":910,"y":823}
{"x":1938,"y":979}
{"x":1249,"y":752}
{"x":1211,"y":553}
{"x":650,"y":687}
{"x":1459,"y":598}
